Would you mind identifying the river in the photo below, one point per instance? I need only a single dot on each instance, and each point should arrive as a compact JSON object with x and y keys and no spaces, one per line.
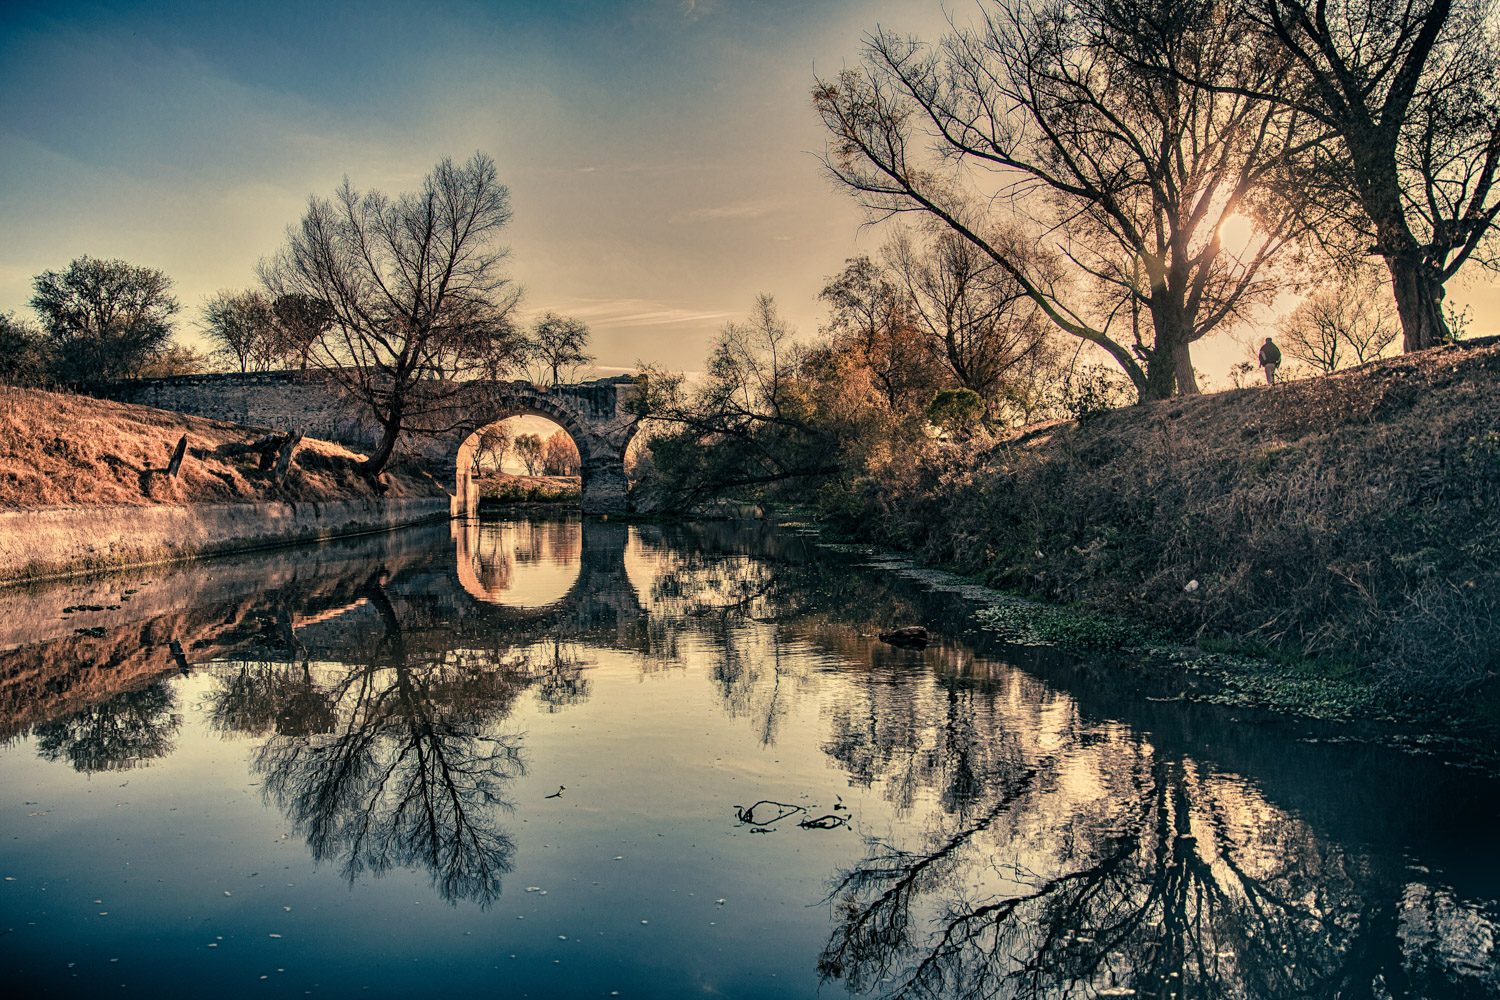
{"x":565,"y":758}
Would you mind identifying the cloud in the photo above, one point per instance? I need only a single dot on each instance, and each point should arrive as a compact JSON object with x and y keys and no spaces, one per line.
{"x":720,"y":213}
{"x":637,"y":312}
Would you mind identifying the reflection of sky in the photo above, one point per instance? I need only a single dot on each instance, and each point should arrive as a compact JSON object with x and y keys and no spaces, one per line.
{"x":618,"y":807}
{"x":656,"y":150}
{"x":526,"y":564}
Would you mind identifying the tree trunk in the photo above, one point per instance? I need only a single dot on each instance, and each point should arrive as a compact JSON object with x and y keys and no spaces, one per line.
{"x":1419,"y":292}
{"x":1161,"y":374}
{"x":1182,"y":361}
{"x":375,"y":464}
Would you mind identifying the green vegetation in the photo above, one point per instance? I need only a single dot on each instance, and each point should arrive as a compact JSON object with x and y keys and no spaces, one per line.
{"x":1029,"y":623}
{"x":503,"y":489}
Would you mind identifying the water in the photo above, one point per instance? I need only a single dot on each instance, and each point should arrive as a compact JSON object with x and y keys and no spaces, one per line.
{"x":582,"y":759}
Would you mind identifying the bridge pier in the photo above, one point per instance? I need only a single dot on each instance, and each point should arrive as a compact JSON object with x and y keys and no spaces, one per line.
{"x":606,"y":490}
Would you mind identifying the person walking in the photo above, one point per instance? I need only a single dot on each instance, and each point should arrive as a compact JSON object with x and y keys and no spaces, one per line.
{"x":1270,"y":360}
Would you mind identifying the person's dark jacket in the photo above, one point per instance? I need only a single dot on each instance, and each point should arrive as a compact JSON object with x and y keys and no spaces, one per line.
{"x":1270,"y":354}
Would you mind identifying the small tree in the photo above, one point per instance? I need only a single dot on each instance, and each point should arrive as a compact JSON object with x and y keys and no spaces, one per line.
{"x":1346,"y":323}
{"x":560,"y":456}
{"x":955,"y":412}
{"x":529,"y":451}
{"x":104,"y":319}
{"x":555,"y":348}
{"x":494,"y":443}
{"x":420,"y":306}
{"x":242,"y":329}
{"x":24,"y":355}
{"x":872,"y":318}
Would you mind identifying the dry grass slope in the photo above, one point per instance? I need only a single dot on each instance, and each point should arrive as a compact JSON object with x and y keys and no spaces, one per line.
{"x":1355,"y":516}
{"x":75,"y":451}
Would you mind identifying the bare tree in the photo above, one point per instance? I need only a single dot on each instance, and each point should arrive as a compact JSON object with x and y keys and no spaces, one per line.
{"x":1409,"y":93}
{"x":420,"y":305}
{"x":975,"y":317}
{"x":528,"y":448}
{"x":242,"y":328}
{"x":1111,"y":178}
{"x":752,"y":422}
{"x":555,"y":348}
{"x":494,"y":443}
{"x":1347,"y":322}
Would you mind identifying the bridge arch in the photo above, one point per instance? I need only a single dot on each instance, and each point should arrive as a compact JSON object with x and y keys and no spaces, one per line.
{"x":593,"y":414}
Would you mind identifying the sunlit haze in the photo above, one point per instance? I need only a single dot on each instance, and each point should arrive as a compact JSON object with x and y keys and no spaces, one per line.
{"x":661,"y":154}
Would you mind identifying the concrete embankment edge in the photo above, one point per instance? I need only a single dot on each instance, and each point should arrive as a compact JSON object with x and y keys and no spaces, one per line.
{"x":63,"y":541}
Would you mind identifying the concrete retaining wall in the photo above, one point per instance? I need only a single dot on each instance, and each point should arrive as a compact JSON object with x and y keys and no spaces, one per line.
{"x":59,"y":541}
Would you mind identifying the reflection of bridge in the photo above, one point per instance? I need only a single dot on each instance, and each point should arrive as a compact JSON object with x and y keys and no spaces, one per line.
{"x":600,"y":598}
{"x":595,"y":414}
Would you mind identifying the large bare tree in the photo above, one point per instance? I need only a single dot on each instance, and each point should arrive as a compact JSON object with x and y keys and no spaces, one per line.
{"x":1077,"y":157}
{"x":1409,"y":92}
{"x":420,"y":306}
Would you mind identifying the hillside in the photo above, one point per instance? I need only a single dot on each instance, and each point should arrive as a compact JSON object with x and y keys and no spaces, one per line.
{"x":1352,"y":517}
{"x":59,"y":450}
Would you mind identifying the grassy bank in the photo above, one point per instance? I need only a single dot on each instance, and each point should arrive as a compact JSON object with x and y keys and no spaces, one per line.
{"x":59,"y":450}
{"x":501,"y":489}
{"x":1345,"y":527}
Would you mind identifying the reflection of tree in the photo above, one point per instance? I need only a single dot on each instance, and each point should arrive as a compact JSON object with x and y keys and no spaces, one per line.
{"x":393,"y":759}
{"x":260,"y":698}
{"x":127,"y":731}
{"x":1167,"y":884}
{"x":555,"y":670}
{"x":955,"y":743}
{"x":751,"y":604}
{"x":412,"y":777}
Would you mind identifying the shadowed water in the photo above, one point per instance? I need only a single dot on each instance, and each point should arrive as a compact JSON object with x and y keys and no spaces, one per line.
{"x":567,"y":758}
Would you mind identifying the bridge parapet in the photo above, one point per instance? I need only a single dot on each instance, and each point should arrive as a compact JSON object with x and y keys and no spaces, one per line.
{"x":595,"y":414}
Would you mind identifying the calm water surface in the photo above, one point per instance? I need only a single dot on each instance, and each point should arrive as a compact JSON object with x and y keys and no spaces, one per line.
{"x":579,"y":759}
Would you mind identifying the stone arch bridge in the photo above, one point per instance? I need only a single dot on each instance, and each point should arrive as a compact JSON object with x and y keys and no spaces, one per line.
{"x":595,"y":414}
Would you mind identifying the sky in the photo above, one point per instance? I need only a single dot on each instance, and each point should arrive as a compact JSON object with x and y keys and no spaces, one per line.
{"x":661,"y":155}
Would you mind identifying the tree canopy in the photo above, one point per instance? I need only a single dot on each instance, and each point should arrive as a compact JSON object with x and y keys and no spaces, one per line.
{"x":418,"y":303}
{"x":104,"y":319}
{"x":1076,"y":157}
{"x":555,"y":348}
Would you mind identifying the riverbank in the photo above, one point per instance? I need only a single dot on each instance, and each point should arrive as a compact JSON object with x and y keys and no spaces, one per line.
{"x":85,"y":485}
{"x":1340,"y":530}
{"x":63,"y":450}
